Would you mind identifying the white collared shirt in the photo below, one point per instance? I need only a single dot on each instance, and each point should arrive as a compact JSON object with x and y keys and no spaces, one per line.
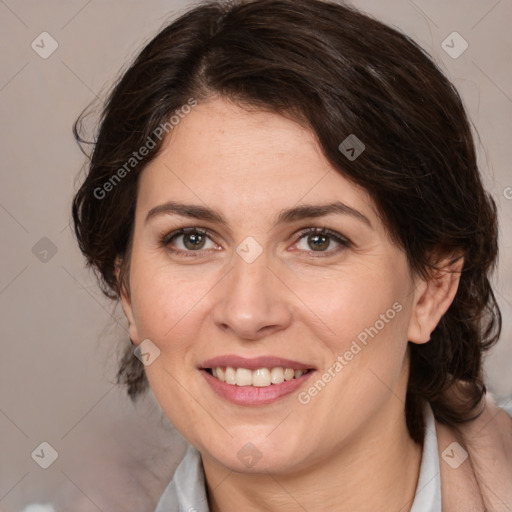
{"x":187,"y":491}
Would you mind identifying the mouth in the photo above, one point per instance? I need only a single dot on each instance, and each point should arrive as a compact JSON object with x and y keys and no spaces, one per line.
{"x":257,"y":381}
{"x":261,"y":377}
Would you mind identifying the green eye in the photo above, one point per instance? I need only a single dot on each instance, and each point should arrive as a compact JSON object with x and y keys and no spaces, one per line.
{"x":318,"y":242}
{"x":321,"y":240}
{"x":193,"y":241}
{"x":188,"y":240}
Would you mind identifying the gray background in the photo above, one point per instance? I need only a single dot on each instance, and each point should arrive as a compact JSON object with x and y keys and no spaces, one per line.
{"x":59,"y":336}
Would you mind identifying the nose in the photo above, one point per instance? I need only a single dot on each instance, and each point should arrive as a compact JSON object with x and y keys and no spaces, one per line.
{"x":252,"y":302}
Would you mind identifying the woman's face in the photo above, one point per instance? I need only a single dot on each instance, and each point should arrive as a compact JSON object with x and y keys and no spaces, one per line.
{"x":250,"y":286}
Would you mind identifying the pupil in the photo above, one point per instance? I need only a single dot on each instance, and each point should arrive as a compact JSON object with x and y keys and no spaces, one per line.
{"x":193,"y":241}
{"x":319,"y":242}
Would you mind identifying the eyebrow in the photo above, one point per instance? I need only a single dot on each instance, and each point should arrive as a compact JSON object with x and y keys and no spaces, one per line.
{"x":296,"y":213}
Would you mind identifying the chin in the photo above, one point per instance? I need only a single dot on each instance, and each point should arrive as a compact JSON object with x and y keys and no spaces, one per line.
{"x":258,"y":453}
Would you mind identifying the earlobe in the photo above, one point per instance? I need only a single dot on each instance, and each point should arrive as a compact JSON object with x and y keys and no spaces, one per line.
{"x":433,"y":297}
{"x":126,"y":304}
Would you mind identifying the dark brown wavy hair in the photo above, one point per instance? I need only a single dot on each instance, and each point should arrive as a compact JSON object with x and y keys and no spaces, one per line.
{"x":337,"y":72}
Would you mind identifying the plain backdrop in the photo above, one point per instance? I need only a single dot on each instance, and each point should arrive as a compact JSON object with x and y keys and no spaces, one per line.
{"x":60,"y":338}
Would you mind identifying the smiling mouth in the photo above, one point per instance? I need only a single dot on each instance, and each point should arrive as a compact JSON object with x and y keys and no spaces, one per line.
{"x":261,"y":377}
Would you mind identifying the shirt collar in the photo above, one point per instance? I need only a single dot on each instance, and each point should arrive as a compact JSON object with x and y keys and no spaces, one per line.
{"x":428,"y":490}
{"x":187,"y":490}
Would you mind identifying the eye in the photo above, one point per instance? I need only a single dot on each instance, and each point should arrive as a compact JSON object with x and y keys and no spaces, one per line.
{"x":188,"y":240}
{"x":321,"y":240}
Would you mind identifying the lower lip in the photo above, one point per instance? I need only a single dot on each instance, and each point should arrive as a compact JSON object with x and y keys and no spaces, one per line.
{"x":251,"y":395}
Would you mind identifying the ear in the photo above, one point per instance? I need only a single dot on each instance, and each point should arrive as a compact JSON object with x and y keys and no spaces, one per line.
{"x":433,"y":296}
{"x":126,"y":302}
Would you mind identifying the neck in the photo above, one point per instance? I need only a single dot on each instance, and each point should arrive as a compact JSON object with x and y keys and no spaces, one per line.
{"x":377,"y":471}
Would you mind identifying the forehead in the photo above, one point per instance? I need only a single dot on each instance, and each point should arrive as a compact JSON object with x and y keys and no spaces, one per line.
{"x":242,"y":160}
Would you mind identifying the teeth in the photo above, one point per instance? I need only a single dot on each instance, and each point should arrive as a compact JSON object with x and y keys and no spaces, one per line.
{"x":289,"y":374}
{"x":277,"y":375}
{"x":230,"y":375}
{"x":243,"y":377}
{"x":261,"y":377}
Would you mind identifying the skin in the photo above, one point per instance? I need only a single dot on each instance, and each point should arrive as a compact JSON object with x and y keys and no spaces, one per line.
{"x":349,"y":446}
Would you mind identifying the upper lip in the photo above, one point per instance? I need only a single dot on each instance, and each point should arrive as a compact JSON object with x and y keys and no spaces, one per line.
{"x":254,"y":363}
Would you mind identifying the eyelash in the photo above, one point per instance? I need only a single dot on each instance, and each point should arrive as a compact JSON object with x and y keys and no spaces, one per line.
{"x":344,"y":243}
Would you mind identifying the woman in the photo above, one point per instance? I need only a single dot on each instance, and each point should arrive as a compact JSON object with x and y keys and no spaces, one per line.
{"x":284,"y":196}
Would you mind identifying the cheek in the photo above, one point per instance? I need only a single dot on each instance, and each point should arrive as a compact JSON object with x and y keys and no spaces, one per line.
{"x":367,"y":317}
{"x":169,"y":309}
{"x":167,"y":301}
{"x":358,"y":303}
{"x":366,"y":340}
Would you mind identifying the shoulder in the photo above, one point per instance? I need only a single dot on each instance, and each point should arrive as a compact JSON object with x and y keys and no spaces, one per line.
{"x":476,"y":462}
